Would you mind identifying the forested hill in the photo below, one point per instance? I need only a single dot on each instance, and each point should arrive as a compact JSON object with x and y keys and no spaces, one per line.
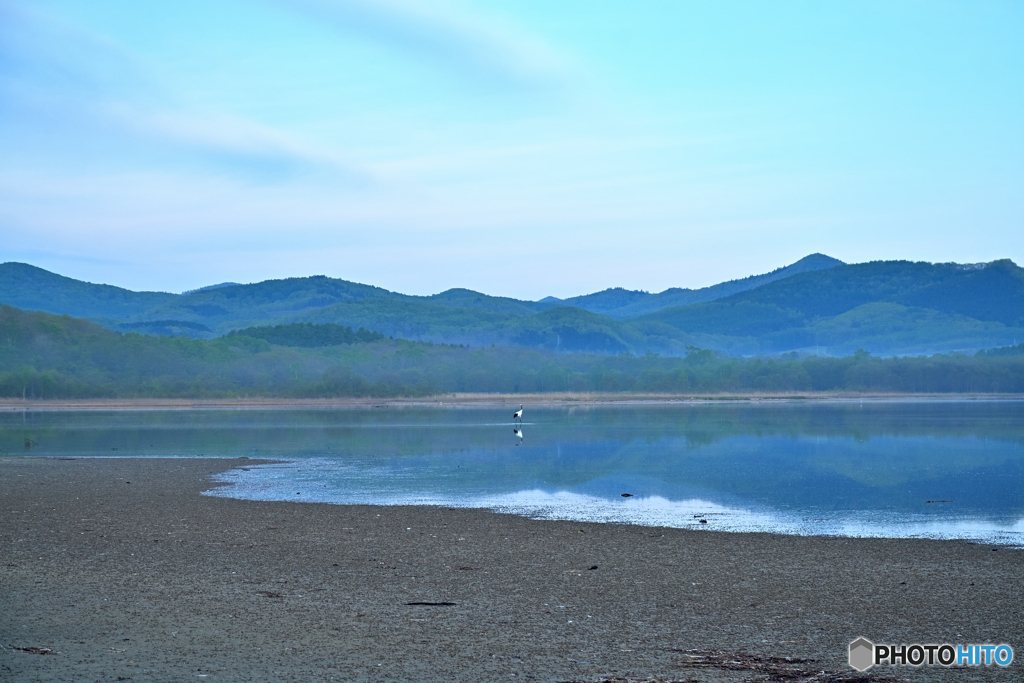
{"x":817,"y":306}
{"x":34,"y":289}
{"x":988,"y":291}
{"x":622,"y":304}
{"x":218,"y":308}
{"x":43,"y":356}
{"x":308,"y":335}
{"x":889,"y":307}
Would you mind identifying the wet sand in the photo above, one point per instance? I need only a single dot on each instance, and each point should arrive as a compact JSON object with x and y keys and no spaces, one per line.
{"x":118,"y":569}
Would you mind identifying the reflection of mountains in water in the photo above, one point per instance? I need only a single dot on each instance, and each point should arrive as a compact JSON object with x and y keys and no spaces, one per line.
{"x":779,"y":472}
{"x":415,"y":431}
{"x":838,"y":455}
{"x":896,"y":473}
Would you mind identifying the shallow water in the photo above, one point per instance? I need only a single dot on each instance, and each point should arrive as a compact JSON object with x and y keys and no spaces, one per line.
{"x":939,"y":469}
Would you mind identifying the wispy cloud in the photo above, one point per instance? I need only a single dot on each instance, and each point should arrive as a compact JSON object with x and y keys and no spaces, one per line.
{"x":466,"y":41}
{"x":76,"y":100}
{"x":257,"y":151}
{"x":40,"y":53}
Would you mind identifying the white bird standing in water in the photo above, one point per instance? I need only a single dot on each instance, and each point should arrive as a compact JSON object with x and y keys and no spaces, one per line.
{"x":518,"y":415}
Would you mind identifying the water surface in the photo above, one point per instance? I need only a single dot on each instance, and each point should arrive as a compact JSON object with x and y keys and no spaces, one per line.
{"x":940,"y":469}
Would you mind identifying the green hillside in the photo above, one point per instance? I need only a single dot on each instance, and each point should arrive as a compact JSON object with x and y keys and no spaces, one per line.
{"x":1016,"y":350}
{"x":308,"y":335}
{"x":990,"y":291}
{"x":43,"y":356}
{"x":467,"y":298}
{"x":889,"y":307}
{"x":816,"y":306}
{"x":34,"y":289}
{"x":220,"y":308}
{"x":225,"y":308}
{"x":414,"y":319}
{"x":622,"y":304}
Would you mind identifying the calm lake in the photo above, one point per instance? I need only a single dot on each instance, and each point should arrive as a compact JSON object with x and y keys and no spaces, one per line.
{"x":940,"y":469}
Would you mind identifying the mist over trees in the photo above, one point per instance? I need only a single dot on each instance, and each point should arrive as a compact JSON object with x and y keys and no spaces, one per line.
{"x":45,"y":356}
{"x":818,"y":325}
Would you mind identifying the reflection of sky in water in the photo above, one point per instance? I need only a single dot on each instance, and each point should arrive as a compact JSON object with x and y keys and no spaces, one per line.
{"x":334,"y":481}
{"x":806,"y":468}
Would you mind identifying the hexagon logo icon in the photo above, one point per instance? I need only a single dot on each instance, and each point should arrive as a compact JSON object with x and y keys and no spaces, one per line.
{"x":862,"y":654}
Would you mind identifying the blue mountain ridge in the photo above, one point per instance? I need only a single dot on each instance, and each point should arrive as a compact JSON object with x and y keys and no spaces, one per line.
{"x":816,"y":305}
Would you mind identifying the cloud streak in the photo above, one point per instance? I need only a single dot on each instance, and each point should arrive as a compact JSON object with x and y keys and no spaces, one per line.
{"x":483,"y":48}
{"x":80,"y":102}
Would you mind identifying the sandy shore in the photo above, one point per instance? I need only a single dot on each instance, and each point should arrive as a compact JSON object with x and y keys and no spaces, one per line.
{"x":470,"y":400}
{"x":118,"y":569}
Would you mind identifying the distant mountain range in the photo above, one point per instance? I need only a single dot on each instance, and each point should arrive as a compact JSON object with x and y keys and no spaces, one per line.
{"x":622,"y":304}
{"x":816,"y":305}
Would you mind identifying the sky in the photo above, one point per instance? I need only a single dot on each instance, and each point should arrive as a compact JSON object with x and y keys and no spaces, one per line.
{"x":521,"y":148}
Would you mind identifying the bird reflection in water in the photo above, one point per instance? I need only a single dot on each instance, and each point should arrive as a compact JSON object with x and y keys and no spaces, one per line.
{"x":518,"y":432}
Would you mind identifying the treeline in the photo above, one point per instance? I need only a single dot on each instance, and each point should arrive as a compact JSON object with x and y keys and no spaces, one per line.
{"x":308,"y":335}
{"x":44,"y":356}
{"x":1017,"y":350}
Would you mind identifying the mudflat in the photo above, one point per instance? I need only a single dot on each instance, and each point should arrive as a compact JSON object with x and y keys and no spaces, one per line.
{"x":119,"y":569}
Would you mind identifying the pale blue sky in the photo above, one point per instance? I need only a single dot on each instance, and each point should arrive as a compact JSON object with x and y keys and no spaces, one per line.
{"x":521,"y":148}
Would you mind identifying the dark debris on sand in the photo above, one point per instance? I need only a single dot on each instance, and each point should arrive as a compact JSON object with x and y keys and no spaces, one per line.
{"x":34,"y":650}
{"x":760,"y":668}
